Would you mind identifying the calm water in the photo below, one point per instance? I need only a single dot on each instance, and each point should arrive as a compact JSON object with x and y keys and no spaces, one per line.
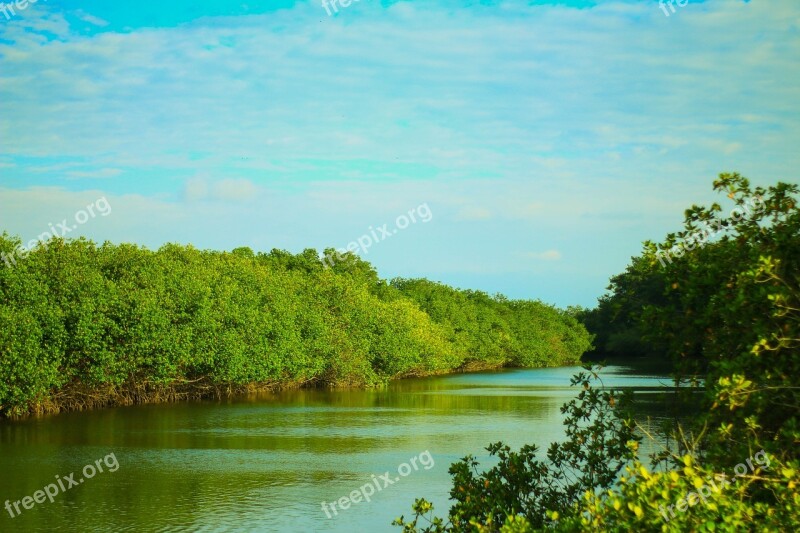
{"x":267,"y":463}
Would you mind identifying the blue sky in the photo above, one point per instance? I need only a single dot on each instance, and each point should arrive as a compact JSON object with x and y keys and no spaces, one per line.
{"x":549,"y":139}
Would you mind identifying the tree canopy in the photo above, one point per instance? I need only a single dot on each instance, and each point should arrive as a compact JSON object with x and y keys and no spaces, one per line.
{"x":88,"y":325}
{"x":726,"y":312}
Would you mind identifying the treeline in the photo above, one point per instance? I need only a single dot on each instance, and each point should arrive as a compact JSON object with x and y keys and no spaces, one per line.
{"x":726,"y":312}
{"x":85,"y":325}
{"x":618,"y":322}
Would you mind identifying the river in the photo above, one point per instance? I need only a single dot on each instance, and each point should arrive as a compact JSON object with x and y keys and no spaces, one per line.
{"x":268,"y":462}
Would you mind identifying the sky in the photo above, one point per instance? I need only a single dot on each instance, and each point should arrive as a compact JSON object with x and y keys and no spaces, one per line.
{"x":520,"y":147}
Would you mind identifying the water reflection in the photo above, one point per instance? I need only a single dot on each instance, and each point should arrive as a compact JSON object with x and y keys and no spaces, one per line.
{"x":266,"y":462}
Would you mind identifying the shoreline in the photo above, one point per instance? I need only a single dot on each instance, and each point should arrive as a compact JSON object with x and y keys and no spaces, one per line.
{"x":81,"y":398}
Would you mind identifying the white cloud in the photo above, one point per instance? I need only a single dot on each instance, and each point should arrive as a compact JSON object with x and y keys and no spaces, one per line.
{"x":549,"y":255}
{"x":236,"y":190}
{"x":91,"y":19}
{"x":237,"y":87}
{"x":226,"y":190}
{"x":597,"y":126}
{"x":100,"y":173}
{"x":196,"y":189}
{"x":473,"y":213}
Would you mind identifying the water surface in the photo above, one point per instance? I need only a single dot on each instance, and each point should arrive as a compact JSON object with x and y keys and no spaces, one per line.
{"x":266,"y":463}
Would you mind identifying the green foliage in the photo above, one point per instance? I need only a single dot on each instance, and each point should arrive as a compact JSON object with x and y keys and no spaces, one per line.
{"x":524,"y":491}
{"x":84,"y":324}
{"x":492,"y":331}
{"x":615,"y":322}
{"x":727,"y":313}
{"x":693,"y":497}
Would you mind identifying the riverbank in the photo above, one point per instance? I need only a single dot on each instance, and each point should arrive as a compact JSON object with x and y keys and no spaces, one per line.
{"x":81,"y":398}
{"x":87,"y":325}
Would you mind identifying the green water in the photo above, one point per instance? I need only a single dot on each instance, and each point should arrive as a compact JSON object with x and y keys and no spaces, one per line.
{"x":267,"y":463}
